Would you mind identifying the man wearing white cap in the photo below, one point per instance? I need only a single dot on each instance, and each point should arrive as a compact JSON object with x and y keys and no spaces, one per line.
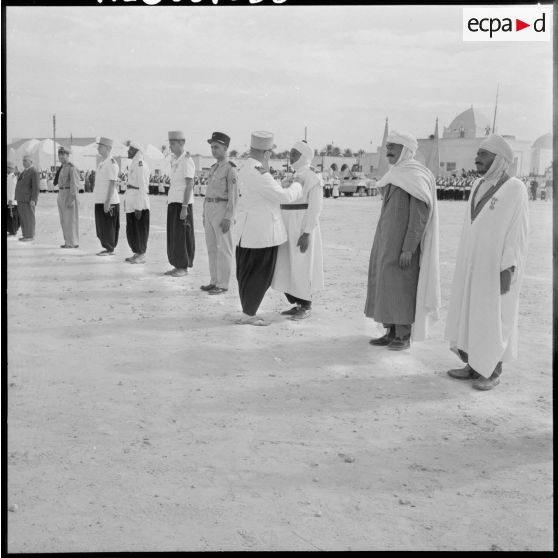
{"x":403,"y":276}
{"x":107,"y":201}
{"x":181,"y":243}
{"x":12,"y":219}
{"x":136,"y":203}
{"x":67,"y":180}
{"x":259,"y":225}
{"x":299,"y":268}
{"x":483,"y":310}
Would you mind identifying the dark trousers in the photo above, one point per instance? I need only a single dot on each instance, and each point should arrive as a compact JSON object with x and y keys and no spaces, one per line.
{"x":26,"y":215}
{"x":12,"y":219}
{"x":107,"y":225}
{"x":137,"y":231}
{"x":254,"y":272}
{"x":465,"y":358}
{"x":403,"y":331}
{"x":181,"y":242}
{"x":294,"y":300}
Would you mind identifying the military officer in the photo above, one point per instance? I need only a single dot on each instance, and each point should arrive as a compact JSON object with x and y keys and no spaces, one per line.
{"x":136,"y":203}
{"x":68,"y":208}
{"x":219,"y":210}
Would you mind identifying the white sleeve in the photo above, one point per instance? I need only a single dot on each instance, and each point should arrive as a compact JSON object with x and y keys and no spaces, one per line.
{"x":189,"y":168}
{"x":113,"y":171}
{"x":315,"y":202}
{"x":516,"y":240}
{"x":273,"y":191}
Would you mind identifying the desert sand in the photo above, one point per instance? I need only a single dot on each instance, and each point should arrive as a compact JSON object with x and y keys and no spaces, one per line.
{"x":140,"y":418}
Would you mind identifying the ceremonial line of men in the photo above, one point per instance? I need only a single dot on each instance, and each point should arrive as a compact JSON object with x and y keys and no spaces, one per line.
{"x":279,"y":240}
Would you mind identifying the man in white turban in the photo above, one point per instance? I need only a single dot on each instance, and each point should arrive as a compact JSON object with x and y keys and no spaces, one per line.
{"x":483,"y":311}
{"x":299,"y":268}
{"x":403,"y":275}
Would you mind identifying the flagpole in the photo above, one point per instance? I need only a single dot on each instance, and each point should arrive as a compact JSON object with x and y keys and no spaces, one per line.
{"x":54,"y":139}
{"x":495,"y":109}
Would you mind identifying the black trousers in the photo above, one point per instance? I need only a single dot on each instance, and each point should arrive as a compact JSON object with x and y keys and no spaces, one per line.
{"x":294,"y":300}
{"x":137,"y":231}
{"x":254,"y":272}
{"x":12,"y":219}
{"x":107,"y":225}
{"x":181,"y":242}
{"x":26,"y":215}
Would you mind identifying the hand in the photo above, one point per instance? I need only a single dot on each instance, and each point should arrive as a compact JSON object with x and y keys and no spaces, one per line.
{"x":137,"y":213}
{"x":405,"y":259}
{"x":183,"y":213}
{"x":505,"y":281}
{"x":303,"y":242}
{"x":225,"y":225}
{"x":107,"y":207}
{"x":287,"y":181}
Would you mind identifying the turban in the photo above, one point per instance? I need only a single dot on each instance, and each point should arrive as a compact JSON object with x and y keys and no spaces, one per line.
{"x":303,"y":148}
{"x":402,"y":138}
{"x":135,"y":145}
{"x":502,"y":162}
{"x":499,"y":146}
{"x":306,"y":154}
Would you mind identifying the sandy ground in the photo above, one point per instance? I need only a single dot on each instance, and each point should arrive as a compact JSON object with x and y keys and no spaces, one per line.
{"x":142,"y":419}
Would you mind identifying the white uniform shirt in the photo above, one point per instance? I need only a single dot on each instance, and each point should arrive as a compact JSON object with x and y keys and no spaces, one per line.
{"x":106,"y":171}
{"x":10,"y":188}
{"x":181,"y":168}
{"x":138,"y":176}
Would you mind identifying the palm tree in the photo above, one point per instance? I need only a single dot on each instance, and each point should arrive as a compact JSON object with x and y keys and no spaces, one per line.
{"x":336,"y":152}
{"x":348,"y":152}
{"x":233,"y":153}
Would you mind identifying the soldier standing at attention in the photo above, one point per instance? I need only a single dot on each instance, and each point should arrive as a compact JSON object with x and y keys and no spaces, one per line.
{"x":107,"y":202}
{"x":219,"y":210}
{"x":68,"y":208}
{"x":136,"y":203}
{"x":180,"y":218}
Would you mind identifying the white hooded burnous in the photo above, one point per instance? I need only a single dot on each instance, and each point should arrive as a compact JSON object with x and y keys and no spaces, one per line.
{"x":296,"y":273}
{"x":481,"y":322}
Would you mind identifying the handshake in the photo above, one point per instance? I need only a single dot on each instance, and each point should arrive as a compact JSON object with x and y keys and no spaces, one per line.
{"x":289,"y":179}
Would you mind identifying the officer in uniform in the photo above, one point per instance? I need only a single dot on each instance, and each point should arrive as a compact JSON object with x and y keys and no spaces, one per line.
{"x":136,"y":203}
{"x":181,"y":243}
{"x":68,"y":185}
{"x":107,"y":201}
{"x":219,"y":211}
{"x":12,"y":218}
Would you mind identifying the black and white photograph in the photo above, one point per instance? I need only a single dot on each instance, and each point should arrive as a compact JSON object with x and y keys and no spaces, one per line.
{"x":277,"y":276}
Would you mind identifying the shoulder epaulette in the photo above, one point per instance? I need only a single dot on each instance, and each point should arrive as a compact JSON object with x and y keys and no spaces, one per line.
{"x":261,"y":170}
{"x":232,"y":164}
{"x":140,"y":163}
{"x":113,"y":160}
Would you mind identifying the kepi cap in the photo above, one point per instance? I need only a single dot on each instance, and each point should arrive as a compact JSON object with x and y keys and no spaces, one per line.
{"x":262,"y":140}
{"x":177,"y":135}
{"x":219,"y":137}
{"x":64,"y":149}
{"x":105,"y":141}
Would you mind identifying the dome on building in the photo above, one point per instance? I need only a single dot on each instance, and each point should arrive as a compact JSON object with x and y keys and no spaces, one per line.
{"x":544,"y":142}
{"x":469,"y":124}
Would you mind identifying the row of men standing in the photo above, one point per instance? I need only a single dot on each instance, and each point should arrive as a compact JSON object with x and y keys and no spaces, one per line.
{"x":278,"y":224}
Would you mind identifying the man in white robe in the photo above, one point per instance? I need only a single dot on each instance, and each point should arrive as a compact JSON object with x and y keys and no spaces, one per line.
{"x":299,"y":267}
{"x":483,"y":311}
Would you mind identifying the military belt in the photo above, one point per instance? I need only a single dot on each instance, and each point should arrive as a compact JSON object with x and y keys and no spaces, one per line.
{"x":133,"y":187}
{"x":295,"y":206}
{"x":216,"y":199}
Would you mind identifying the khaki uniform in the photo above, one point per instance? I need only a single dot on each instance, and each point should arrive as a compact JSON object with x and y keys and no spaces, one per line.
{"x":68,"y":207}
{"x":220,"y":203}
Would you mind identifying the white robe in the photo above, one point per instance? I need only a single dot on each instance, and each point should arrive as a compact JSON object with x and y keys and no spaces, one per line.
{"x":298,"y":274}
{"x":480,"y":321}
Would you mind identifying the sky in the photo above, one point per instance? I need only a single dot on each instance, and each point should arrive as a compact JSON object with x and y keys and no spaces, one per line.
{"x":136,"y":72}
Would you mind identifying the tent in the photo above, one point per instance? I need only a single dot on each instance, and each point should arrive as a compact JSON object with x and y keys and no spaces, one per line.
{"x":154,"y":157}
{"x":45,"y":155}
